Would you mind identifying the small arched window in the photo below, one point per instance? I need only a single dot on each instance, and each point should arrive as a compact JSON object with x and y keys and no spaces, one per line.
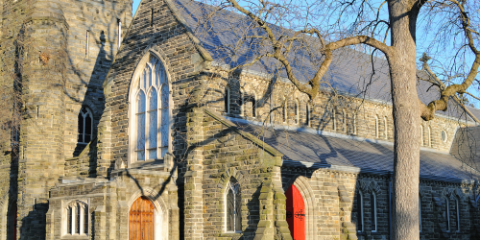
{"x":254,"y":106}
{"x":151,"y":124}
{"x":360,"y":214}
{"x":344,"y":121}
{"x":355,"y":123}
{"x":376,"y":126}
{"x":85,"y":126}
{"x":226,"y":100}
{"x":233,"y":207}
{"x":385,"y":127}
{"x":77,"y":219}
{"x":284,"y":115}
{"x":374,"y":212}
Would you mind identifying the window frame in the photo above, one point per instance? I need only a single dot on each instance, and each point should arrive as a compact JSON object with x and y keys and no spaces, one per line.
{"x":360,"y":212}
{"x":376,"y":127}
{"x":234,"y":187}
{"x":447,"y":213}
{"x":133,"y":92}
{"x":74,"y":221}
{"x":84,"y":116}
{"x":457,"y":211}
{"x":374,"y":212}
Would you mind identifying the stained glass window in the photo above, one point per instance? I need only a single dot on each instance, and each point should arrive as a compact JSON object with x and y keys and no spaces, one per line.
{"x":152,"y":112}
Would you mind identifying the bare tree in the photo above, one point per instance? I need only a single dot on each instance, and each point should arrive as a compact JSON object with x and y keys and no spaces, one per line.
{"x":278,"y":30}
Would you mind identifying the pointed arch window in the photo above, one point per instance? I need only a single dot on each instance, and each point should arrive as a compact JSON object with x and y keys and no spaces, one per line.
{"x":334,"y":120}
{"x":421,"y":135}
{"x":284,"y":110}
{"x":77,"y":218}
{"x":457,"y":212}
{"x":360,"y":213}
{"x":307,"y":117}
{"x":85,"y":126}
{"x":233,"y":206}
{"x":151,"y":112}
{"x":429,"y":136}
{"x":376,"y":127}
{"x":344,"y":121}
{"x":374,"y":212}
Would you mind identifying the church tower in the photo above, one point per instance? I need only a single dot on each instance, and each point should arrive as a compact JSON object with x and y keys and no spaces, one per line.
{"x":56,"y":55}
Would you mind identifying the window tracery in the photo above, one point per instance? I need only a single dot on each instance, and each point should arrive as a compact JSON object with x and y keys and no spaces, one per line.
{"x":151,"y":112}
{"x":85,"y":126}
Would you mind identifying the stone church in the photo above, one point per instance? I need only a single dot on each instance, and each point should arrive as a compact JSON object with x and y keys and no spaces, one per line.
{"x":138,"y":128}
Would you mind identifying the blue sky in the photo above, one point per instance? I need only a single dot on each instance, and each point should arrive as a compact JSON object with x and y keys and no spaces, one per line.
{"x":135,"y":5}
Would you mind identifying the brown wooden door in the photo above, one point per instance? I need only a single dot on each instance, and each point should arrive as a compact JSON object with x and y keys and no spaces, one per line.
{"x":141,"y":220}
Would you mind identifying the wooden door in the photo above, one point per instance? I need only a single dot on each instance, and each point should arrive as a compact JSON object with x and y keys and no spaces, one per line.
{"x":141,"y":220}
{"x":295,"y":213}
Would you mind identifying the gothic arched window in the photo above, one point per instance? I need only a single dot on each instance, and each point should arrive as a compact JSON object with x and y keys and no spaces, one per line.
{"x":77,"y":218}
{"x":374,"y":212}
{"x":233,"y":207}
{"x":360,"y":213}
{"x":226,"y":100}
{"x":151,"y":112}
{"x":85,"y":126}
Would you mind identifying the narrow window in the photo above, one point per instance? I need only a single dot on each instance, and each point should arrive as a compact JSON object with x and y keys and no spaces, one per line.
{"x":242,"y":104}
{"x":429,"y":136}
{"x":334,"y":120}
{"x":37,"y":112}
{"x":307,"y":114}
{"x":344,"y":122}
{"x":376,"y":127}
{"x":254,"y":106}
{"x":85,"y":126}
{"x":86,"y":43}
{"x":420,"y":212}
{"x":226,"y":100}
{"x":374,"y":212}
{"x":119,"y":32}
{"x":69,"y":220}
{"x":297,"y":116}
{"x":457,"y":210}
{"x":385,"y":127}
{"x":447,"y":214}
{"x":354,"y":123}
{"x":421,"y":135}
{"x":78,"y":220}
{"x":284,"y":110}
{"x":151,"y":19}
{"x":359,"y":211}
{"x":233,"y":205}
{"x":85,"y":219}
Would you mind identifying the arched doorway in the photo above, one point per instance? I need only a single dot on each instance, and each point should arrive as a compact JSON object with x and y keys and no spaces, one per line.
{"x":141,"y":216}
{"x":295,"y":213}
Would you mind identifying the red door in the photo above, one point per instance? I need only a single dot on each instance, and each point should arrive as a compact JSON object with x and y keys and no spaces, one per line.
{"x":141,"y":220}
{"x":295,"y":213}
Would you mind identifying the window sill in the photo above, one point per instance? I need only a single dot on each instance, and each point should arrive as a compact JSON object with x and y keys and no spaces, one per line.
{"x":147,"y":164}
{"x":233,"y":235}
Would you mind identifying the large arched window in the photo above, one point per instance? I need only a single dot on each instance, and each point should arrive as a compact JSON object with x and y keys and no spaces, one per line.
{"x":151,"y":112}
{"x":85,"y":126}
{"x":233,"y":207}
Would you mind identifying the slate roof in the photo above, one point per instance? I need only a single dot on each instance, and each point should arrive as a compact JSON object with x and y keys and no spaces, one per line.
{"x":309,"y":149}
{"x":351,"y":71}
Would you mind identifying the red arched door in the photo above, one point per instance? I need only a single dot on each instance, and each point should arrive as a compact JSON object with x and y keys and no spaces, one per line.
{"x":295,"y":213}
{"x":141,"y":220}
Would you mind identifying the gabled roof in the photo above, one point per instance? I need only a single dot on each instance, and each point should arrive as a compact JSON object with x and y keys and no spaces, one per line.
{"x":351,"y":72}
{"x":308,"y":149}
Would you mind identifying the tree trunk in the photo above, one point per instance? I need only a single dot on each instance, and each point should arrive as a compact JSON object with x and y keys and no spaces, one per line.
{"x":406,"y":115}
